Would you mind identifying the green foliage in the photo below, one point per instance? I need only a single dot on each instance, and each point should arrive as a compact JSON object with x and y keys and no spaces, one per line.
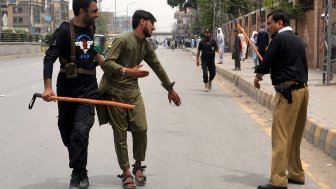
{"x":101,"y":26}
{"x":47,"y":38}
{"x":238,"y":7}
{"x":183,"y":4}
{"x":206,"y":14}
{"x":293,"y":11}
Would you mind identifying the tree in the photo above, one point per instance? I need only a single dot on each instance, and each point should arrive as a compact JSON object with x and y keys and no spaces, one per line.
{"x":293,"y":11}
{"x":183,"y":4}
{"x":101,"y":26}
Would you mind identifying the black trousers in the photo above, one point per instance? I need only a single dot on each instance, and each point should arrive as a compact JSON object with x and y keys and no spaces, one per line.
{"x":208,"y":66}
{"x":75,"y":122}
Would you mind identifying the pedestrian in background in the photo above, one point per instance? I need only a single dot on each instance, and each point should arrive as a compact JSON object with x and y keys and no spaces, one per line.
{"x":237,"y":47}
{"x":198,"y":40}
{"x":253,"y":40}
{"x":262,"y":41}
{"x":192,"y":44}
{"x":208,"y":47}
{"x":72,"y":43}
{"x":221,"y":44}
{"x":244,"y":46}
{"x":119,"y":82}
{"x":286,"y":60}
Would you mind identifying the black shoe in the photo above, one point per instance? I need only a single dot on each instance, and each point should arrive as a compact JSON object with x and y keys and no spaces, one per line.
{"x":269,"y":186}
{"x":75,"y":180}
{"x":79,"y":179}
{"x":295,"y":182}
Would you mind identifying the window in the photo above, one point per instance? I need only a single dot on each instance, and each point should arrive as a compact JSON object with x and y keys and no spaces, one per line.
{"x":17,"y":10}
{"x":18,"y":20}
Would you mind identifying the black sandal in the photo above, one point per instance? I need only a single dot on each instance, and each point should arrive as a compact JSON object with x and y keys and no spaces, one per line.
{"x":140,"y":182}
{"x":129,"y":184}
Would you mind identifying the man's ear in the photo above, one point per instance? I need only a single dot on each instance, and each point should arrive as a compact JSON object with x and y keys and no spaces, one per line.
{"x":81,"y":11}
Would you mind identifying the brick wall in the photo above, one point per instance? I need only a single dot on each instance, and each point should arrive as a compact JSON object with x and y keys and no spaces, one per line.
{"x":309,"y":27}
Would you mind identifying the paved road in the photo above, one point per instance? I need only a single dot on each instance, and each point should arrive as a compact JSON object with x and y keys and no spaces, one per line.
{"x":208,"y":142}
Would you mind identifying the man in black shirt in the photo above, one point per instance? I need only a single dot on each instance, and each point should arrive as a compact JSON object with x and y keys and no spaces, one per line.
{"x":208,"y":47}
{"x":72,"y":43}
{"x":237,"y":48}
{"x":286,"y":59}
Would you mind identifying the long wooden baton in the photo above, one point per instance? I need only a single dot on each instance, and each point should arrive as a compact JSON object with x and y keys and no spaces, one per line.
{"x":82,"y":100}
{"x":249,"y":41}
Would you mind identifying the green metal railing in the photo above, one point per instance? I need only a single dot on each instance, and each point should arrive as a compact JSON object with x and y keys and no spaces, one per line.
{"x":15,"y":37}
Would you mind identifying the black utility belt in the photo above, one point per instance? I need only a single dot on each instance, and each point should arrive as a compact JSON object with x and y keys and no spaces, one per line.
{"x":73,"y":73}
{"x":286,"y":89}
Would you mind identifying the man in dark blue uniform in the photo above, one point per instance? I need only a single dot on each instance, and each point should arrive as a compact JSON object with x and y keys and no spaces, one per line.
{"x":286,"y":60}
{"x":209,"y":47}
{"x":72,"y":43}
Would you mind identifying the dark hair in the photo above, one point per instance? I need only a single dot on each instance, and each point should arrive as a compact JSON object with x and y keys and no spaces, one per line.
{"x":235,"y":31}
{"x":280,"y":15}
{"x":141,"y":14}
{"x":80,"y":4}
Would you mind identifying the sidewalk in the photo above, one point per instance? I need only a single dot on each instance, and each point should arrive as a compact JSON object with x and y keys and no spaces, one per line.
{"x":320,"y":125}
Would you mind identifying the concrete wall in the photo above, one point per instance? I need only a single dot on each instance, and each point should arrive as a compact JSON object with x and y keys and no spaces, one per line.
{"x":17,"y":49}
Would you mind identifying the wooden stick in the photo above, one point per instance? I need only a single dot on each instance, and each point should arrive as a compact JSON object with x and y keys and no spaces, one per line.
{"x":249,"y":41}
{"x":83,"y":100}
{"x":93,"y":101}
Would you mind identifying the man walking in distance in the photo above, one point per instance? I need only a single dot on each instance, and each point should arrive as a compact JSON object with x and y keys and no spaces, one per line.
{"x":72,"y":43}
{"x":237,"y":48}
{"x":120,"y":82}
{"x":208,"y":47}
{"x":262,"y":41}
{"x":286,"y":59}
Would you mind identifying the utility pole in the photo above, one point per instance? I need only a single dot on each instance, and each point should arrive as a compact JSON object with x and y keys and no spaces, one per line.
{"x":0,"y":16}
{"x":327,"y":76}
{"x":115,"y":16}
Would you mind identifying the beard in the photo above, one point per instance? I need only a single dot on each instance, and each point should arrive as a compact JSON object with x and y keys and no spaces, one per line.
{"x":89,"y":21}
{"x":146,"y":32}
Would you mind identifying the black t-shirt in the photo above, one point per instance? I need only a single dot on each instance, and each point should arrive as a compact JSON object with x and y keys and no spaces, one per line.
{"x":286,"y":59}
{"x":60,"y":46}
{"x":208,"y":48}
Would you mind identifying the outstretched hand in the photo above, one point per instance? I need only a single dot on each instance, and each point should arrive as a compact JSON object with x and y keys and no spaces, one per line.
{"x":173,"y":96}
{"x":137,"y":72}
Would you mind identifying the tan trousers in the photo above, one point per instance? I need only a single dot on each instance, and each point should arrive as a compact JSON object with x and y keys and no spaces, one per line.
{"x":287,"y":131}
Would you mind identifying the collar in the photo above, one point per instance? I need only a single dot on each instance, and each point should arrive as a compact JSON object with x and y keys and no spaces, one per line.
{"x":287,"y":28}
{"x":137,"y":37}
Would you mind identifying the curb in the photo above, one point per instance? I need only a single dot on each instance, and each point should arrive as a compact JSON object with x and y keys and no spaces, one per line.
{"x":317,"y":134}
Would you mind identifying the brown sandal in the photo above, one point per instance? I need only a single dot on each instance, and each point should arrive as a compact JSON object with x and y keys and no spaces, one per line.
{"x":139,"y":178}
{"x":127,"y":184}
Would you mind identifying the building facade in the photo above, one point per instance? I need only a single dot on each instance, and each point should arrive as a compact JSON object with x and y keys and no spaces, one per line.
{"x":34,"y":16}
{"x":183,"y":25}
